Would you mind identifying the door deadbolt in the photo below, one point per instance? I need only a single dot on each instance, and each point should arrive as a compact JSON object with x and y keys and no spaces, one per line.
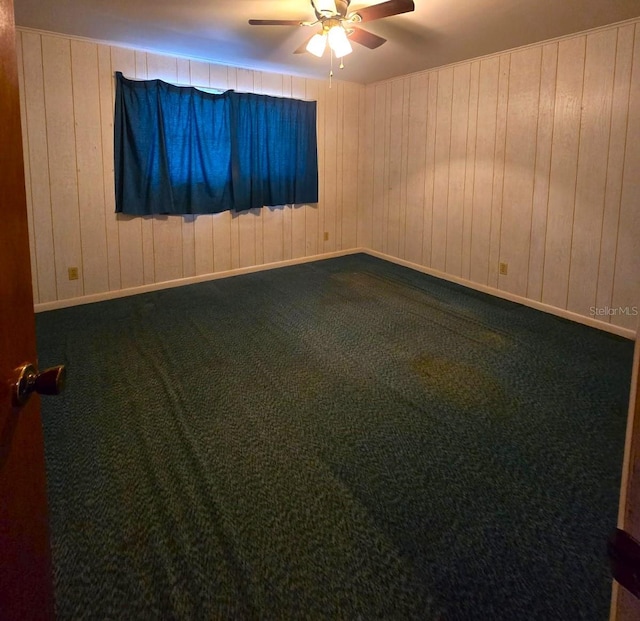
{"x":48,"y":382}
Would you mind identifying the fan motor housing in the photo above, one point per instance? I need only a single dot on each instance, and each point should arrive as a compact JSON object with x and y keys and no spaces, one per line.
{"x":342,"y":6}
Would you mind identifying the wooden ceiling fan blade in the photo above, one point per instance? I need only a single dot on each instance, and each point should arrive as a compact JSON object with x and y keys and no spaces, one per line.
{"x":368,"y":39}
{"x":385,"y":9}
{"x":275,"y":22}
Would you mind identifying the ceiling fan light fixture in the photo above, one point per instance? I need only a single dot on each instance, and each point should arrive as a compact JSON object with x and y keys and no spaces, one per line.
{"x":339,"y":42}
{"x":317,"y":44}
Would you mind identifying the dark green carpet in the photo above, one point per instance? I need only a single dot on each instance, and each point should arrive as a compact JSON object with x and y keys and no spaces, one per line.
{"x":346,"y":439}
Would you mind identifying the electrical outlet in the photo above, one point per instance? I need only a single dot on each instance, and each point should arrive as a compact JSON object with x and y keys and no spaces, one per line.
{"x":73,"y":273}
{"x":326,"y":236}
{"x":504,"y":269}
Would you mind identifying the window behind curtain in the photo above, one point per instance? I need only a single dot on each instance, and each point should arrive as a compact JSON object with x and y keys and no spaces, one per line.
{"x":179,"y":150}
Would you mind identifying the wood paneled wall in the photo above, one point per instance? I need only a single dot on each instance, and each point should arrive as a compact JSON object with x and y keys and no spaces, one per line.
{"x":528,"y":157}
{"x":67,"y":96}
{"x":531,"y":158}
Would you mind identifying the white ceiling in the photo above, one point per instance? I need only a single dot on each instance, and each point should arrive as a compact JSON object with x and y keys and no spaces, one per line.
{"x":439,"y":32}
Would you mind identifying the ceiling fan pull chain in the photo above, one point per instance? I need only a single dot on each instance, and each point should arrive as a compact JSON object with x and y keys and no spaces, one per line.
{"x":331,"y":72}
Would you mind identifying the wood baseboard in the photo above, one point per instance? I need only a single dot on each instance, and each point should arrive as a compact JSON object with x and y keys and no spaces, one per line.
{"x":559,"y":312}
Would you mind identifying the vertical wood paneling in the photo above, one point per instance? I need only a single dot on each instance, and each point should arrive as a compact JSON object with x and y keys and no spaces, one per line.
{"x":498,"y":171}
{"x":394,"y":218}
{"x":564,"y":160}
{"x":218,"y":77}
{"x":36,"y":151}
{"x":539,"y":207}
{"x":287,"y":85}
{"x":416,"y":164}
{"x":429,"y":177}
{"x":89,"y":165}
{"x":484,"y":165}
{"x":615,"y":166}
{"x":379,"y":133}
{"x":404,"y":165}
{"x":520,"y":157}
{"x":349,"y":186}
{"x":592,"y":170}
{"x":223,"y":241}
{"x":386,"y":166}
{"x":625,"y":288}
{"x":366,"y":139}
{"x":112,"y":232}
{"x":60,"y":121}
{"x":457,"y":168}
{"x":339,"y":133}
{"x":141,"y":71}
{"x":441,"y":169}
{"x":183,"y":68}
{"x":329,"y":168}
{"x":467,"y":228}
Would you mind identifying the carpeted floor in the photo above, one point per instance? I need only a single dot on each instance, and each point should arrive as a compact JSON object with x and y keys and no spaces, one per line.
{"x":346,"y":439}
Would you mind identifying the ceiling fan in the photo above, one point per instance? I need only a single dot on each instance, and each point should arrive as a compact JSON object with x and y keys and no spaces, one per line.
{"x":339,"y":26}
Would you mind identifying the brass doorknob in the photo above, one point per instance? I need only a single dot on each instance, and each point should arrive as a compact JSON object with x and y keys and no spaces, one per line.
{"x":48,"y":382}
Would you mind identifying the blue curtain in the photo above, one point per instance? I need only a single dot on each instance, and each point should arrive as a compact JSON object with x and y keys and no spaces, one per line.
{"x":274,"y":152}
{"x":179,"y":150}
